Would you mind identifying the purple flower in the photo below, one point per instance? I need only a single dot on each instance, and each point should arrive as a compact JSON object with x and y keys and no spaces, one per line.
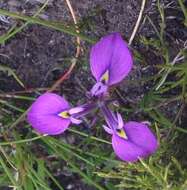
{"x":110,"y":61}
{"x":51,"y":114}
{"x":131,"y":140}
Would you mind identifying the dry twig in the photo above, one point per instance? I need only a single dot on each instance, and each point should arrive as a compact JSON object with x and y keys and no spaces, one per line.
{"x":78,"y":50}
{"x":137,"y":22}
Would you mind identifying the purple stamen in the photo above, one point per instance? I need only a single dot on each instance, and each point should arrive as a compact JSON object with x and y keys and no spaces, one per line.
{"x":99,"y":89}
{"x":75,"y":110}
{"x":108,"y":129}
{"x":84,"y":110}
{"x":120,"y":121}
{"x":109,"y":117}
{"x":75,"y":121}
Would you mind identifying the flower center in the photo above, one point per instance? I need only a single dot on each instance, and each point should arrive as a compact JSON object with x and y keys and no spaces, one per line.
{"x":76,"y":114}
{"x":105,"y":77}
{"x":121,"y":133}
{"x":100,"y":88}
{"x":64,"y":114}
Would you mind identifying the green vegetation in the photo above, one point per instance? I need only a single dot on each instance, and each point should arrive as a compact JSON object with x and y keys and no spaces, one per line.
{"x":24,"y":167}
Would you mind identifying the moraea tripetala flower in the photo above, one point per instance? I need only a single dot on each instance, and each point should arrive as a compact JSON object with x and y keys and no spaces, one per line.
{"x":110,"y":62}
{"x":51,"y":114}
{"x":131,"y":140}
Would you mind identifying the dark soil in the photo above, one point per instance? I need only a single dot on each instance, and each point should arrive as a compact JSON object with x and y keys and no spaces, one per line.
{"x":40,"y":55}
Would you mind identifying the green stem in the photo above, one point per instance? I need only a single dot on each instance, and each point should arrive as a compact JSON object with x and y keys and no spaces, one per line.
{"x":51,"y":24}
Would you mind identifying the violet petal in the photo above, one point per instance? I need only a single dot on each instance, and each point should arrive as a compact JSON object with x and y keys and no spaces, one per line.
{"x":140,"y":142}
{"x":141,"y":135}
{"x":126,"y":150}
{"x":111,"y":53}
{"x":43,"y":114}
